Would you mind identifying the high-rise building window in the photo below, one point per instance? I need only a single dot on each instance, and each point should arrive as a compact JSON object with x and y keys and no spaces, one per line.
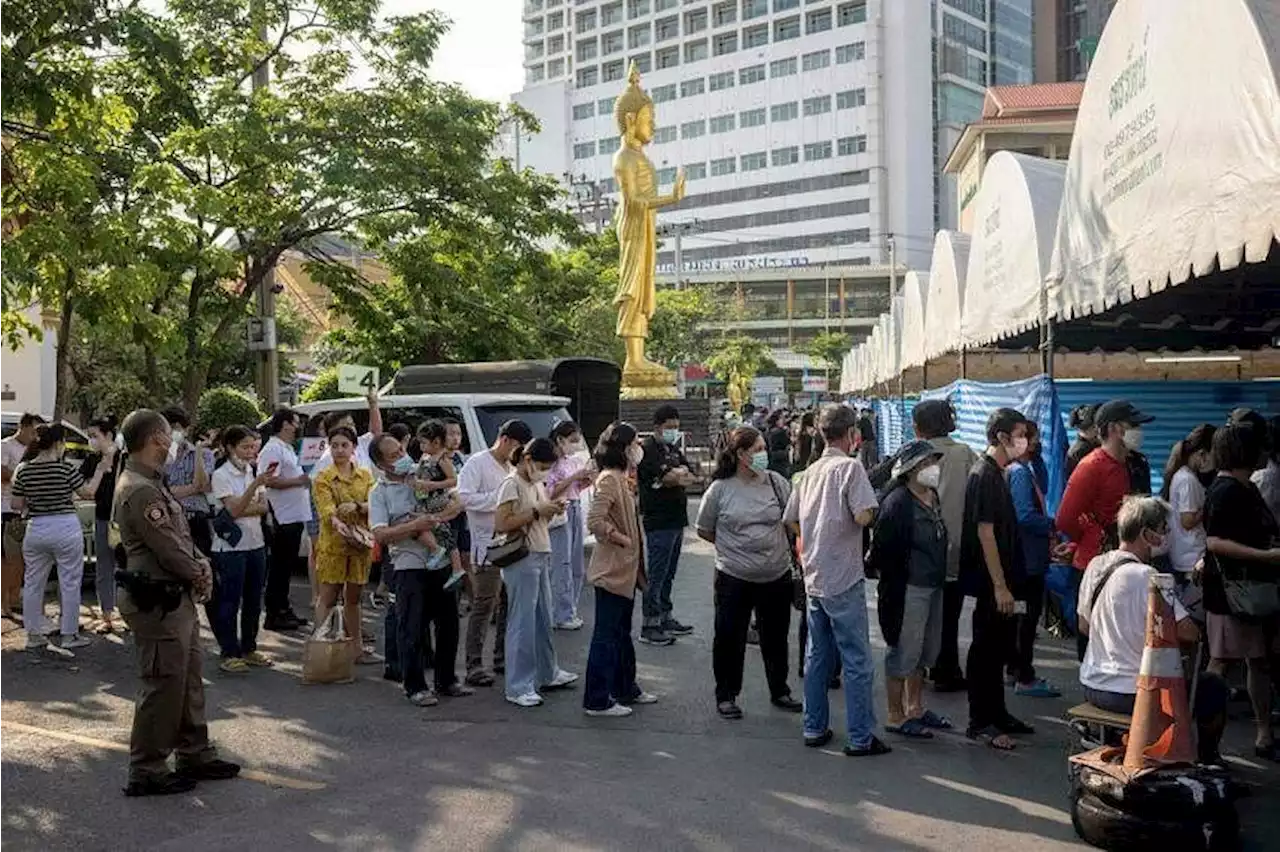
{"x":667,"y":175}
{"x":555,"y":44}
{"x":534,"y":28}
{"x":536,"y":74}
{"x":643,"y":62}
{"x":695,"y":51}
{"x":754,"y":9}
{"x":555,"y":22}
{"x":638,"y":36}
{"x":610,"y":14}
{"x":555,"y":68}
{"x":724,"y":13}
{"x":750,"y":74}
{"x":533,"y":6}
{"x":667,"y":28}
{"x":663,"y":135}
{"x":851,"y":98}
{"x":847,"y":53}
{"x":817,"y":106}
{"x":722,"y":80}
{"x":724,"y":43}
{"x":754,"y":161}
{"x":613,"y":71}
{"x":608,"y":186}
{"x":607,"y":146}
{"x":667,"y":57}
{"x":696,"y":86}
{"x":851,"y":13}
{"x":724,"y":166}
{"x":817,"y":151}
{"x":784,"y":112}
{"x":534,"y":51}
{"x":782,"y":67}
{"x":587,"y":49}
{"x":976,"y":8}
{"x":784,"y":5}
{"x":961,"y":31}
{"x":611,"y":43}
{"x":815,"y":61}
{"x":788,"y":156}
{"x":605,"y":106}
{"x":722,"y":123}
{"x":756,"y":36}
{"x":693,"y":129}
{"x":636,"y":8}
{"x":662,"y":94}
{"x":695,"y":171}
{"x":847,"y":145}
{"x":584,"y":150}
{"x":664,"y":5}
{"x":581,"y":111}
{"x":695,"y":21}
{"x":585,"y":21}
{"x":786,"y":29}
{"x":588,"y":77}
{"x":818,"y":21}
{"x":751,"y":118}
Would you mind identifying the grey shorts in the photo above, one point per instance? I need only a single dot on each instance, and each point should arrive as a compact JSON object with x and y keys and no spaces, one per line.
{"x":921,"y":636}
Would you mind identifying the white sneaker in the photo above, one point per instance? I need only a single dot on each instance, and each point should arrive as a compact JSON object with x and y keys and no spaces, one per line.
{"x":574,"y":623}
{"x":529,"y":699}
{"x":562,"y":679}
{"x":75,"y":641}
{"x":617,"y":710}
{"x":645,"y":698}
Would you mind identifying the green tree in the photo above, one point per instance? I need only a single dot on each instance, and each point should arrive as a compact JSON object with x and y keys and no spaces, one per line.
{"x":221,"y":407}
{"x":829,"y":347}
{"x":675,"y":337}
{"x":323,"y":386}
{"x":737,"y":359}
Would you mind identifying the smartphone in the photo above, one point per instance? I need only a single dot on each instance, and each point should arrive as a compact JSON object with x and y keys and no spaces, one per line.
{"x":273,"y":467}
{"x":1019,"y":607}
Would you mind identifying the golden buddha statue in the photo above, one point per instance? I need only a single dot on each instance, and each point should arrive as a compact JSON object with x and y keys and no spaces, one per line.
{"x":637,"y":214}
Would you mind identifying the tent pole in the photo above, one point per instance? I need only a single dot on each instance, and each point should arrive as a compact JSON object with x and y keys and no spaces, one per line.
{"x":964,"y":373}
{"x":1048,"y":348}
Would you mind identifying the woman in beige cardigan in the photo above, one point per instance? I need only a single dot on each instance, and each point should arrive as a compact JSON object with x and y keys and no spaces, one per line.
{"x":616,"y":571}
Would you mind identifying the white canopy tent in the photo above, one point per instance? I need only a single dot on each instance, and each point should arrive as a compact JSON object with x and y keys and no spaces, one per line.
{"x":945,"y":298}
{"x":1175,"y":162}
{"x":1015,"y":216}
{"x":915,"y":300}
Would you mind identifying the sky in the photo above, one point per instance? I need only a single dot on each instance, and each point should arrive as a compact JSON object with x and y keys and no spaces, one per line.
{"x":483,"y":50}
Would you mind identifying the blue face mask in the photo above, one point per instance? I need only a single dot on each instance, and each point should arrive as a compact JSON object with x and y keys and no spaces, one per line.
{"x":403,"y":466}
{"x":671,"y":436}
{"x":760,"y":461}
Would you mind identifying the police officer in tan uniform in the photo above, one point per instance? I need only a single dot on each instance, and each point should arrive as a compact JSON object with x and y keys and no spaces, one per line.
{"x":165,"y":577}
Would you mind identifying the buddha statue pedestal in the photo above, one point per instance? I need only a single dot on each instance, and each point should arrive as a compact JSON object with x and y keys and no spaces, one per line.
{"x":651,"y":383}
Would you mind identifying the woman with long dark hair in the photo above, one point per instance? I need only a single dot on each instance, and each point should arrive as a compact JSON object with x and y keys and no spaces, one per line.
{"x":617,"y":572}
{"x":45,"y":488}
{"x":1189,"y":460}
{"x":741,"y":514}
{"x":102,"y":437}
{"x":573,"y":471}
{"x":809,"y":443}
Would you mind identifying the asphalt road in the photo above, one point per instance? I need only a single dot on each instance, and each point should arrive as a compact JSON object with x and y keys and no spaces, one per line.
{"x":355,"y":767}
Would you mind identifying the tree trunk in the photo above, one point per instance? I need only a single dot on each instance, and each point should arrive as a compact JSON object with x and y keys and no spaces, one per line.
{"x":62,"y":351}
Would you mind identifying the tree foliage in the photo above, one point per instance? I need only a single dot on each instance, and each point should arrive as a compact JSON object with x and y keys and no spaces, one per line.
{"x":675,"y":337}
{"x":829,"y":347}
{"x":221,"y":407}
{"x":323,"y":386}
{"x":737,"y":360}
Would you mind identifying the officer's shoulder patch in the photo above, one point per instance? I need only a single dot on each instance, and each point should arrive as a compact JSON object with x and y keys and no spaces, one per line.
{"x":157,"y":512}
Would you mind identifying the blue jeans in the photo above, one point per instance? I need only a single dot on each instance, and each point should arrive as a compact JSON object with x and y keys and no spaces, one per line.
{"x":530,"y":651}
{"x":241,"y":574}
{"x":568,"y":565}
{"x":611,"y":662}
{"x":839,"y":631}
{"x":664,"y":555}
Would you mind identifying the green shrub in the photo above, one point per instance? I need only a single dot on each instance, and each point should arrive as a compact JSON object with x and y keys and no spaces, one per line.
{"x":221,"y":407}
{"x":323,"y":386}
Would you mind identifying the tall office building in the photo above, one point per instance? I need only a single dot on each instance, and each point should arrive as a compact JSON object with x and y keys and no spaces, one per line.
{"x":1067,"y":33}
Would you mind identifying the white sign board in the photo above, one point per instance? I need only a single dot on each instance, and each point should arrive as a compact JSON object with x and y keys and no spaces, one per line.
{"x":357,"y":379}
{"x":767,"y":385}
{"x":814,"y":384}
{"x":312,"y":450}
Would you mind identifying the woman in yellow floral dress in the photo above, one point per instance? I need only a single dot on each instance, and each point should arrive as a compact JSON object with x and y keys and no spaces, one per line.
{"x":342,"y":560}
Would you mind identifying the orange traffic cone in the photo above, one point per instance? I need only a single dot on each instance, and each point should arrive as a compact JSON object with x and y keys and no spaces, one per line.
{"x":1160,"y":731}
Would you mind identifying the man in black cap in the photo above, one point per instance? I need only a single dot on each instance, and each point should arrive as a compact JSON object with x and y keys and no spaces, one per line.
{"x":1082,"y":420}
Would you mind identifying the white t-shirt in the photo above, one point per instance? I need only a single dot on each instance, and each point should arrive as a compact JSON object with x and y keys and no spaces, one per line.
{"x":1186,"y":494}
{"x":12,"y":450}
{"x":1117,"y":624}
{"x":229,"y":482}
{"x":362,"y":456}
{"x":478,"y":484}
{"x":290,"y":505}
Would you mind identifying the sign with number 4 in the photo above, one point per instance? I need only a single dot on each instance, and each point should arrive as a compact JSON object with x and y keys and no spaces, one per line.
{"x":357,"y":379}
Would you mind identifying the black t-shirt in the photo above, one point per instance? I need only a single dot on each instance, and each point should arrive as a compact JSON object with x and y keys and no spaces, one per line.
{"x":1235,"y":510}
{"x":663,"y":507}
{"x":987,"y":500}
{"x":1080,"y":448}
{"x":106,"y":487}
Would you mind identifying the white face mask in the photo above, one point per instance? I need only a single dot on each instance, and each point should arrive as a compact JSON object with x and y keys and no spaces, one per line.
{"x":930,"y":476}
{"x":1133,"y":439}
{"x":635,"y":455}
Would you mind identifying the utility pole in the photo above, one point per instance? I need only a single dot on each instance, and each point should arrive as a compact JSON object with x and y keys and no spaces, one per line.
{"x":677,"y":230}
{"x":268,"y":357}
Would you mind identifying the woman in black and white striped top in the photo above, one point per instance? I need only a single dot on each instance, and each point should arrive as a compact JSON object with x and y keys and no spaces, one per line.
{"x":45,"y":488}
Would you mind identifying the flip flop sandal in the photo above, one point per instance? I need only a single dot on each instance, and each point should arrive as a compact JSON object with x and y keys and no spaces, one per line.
{"x":931,"y":719}
{"x":994,"y":737}
{"x":912,"y":728}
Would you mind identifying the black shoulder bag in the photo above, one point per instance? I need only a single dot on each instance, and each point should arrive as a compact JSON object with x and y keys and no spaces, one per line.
{"x":798,"y":595}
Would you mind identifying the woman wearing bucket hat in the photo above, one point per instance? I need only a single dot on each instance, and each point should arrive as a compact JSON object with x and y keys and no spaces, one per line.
{"x":910,"y":552}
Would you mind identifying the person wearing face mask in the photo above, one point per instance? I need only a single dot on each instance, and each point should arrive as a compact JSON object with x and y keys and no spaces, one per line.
{"x":1113,"y":615}
{"x":991,"y":559}
{"x":289,"y":499}
{"x":1189,"y":460}
{"x":241,"y":568}
{"x":44,"y":489}
{"x":1082,"y":420}
{"x":479,"y":482}
{"x":910,"y":554}
{"x":741,"y":514}
{"x":663,"y":476}
{"x":165,"y":579}
{"x":187,"y":471}
{"x":1087,"y":512}
{"x":1035,"y":531}
{"x":572,"y":472}
{"x":524,"y":509}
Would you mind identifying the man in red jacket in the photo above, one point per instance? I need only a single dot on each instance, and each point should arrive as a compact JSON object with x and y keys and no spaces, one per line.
{"x":1087,"y":514}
